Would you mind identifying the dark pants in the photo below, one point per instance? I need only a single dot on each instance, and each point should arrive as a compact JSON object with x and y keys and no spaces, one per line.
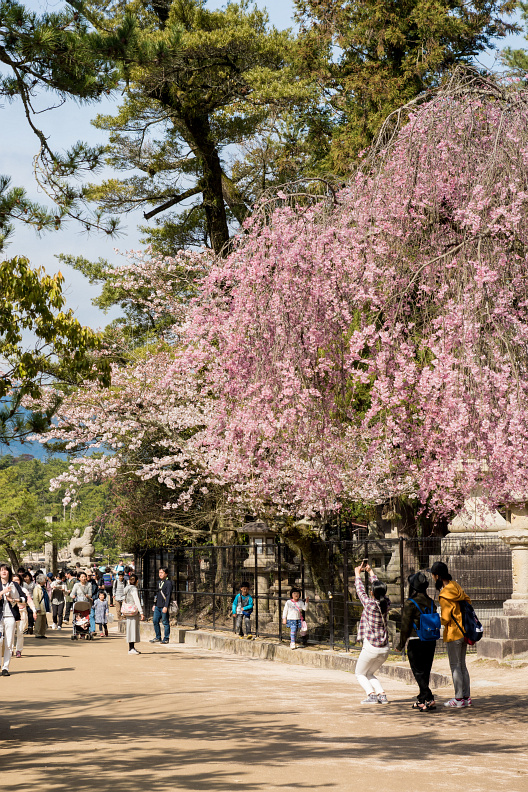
{"x":31,"y":621}
{"x":109,"y":594}
{"x":100,"y":627}
{"x":421,"y":656}
{"x":67,"y":609}
{"x":56,"y":612}
{"x":163,"y":617}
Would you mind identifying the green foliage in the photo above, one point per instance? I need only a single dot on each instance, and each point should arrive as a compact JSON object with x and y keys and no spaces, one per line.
{"x":54,"y":54}
{"x":26,"y":499}
{"x":60,"y":349}
{"x":199,"y":81}
{"x":388,"y":53}
{"x":518,"y":59}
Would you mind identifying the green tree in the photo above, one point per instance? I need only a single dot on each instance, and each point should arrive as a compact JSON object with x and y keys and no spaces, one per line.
{"x":17,"y":522}
{"x":53,"y":54}
{"x":199,"y":81}
{"x":40,"y":343}
{"x":517,"y":59}
{"x":388,"y":52}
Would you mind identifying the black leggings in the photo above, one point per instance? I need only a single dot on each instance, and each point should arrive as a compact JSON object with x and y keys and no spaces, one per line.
{"x":421,"y":656}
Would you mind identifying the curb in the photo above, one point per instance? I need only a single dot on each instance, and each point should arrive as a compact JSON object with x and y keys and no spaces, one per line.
{"x":330,"y":660}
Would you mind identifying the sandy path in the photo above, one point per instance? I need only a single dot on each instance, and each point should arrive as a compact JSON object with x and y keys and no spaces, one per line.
{"x":84,"y":716}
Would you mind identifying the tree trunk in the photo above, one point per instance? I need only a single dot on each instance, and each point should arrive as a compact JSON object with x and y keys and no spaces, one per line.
{"x":13,"y":558}
{"x":211,"y":180}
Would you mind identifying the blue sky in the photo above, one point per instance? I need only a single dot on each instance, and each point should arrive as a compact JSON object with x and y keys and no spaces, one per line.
{"x":64,"y":126}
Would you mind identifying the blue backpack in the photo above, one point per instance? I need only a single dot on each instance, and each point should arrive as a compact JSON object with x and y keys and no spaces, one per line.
{"x":45,"y":597}
{"x":429,"y":624}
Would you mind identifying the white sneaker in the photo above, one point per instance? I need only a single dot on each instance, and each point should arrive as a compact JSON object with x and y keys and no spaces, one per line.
{"x":456,"y":703}
{"x":53,"y":626}
{"x":133,"y":651}
{"x":59,"y":627}
{"x":292,"y":645}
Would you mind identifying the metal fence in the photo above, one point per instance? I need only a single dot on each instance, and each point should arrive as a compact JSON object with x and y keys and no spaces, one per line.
{"x":207,"y":578}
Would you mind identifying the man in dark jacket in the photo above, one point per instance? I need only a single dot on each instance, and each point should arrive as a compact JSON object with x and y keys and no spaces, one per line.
{"x":420,"y":653}
{"x":161,"y":607}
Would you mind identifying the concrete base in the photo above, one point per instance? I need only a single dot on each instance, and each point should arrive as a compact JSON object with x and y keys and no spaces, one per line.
{"x":508,"y":636}
{"x":266,"y":650}
{"x":177,"y":634}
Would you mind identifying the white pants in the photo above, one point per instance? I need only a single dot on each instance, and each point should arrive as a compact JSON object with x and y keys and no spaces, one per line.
{"x":20,"y":627}
{"x":7,"y":641}
{"x":369,"y":661}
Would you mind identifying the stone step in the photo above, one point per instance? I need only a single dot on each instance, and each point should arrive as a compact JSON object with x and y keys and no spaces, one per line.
{"x":502,"y":648}
{"x":515,"y":627}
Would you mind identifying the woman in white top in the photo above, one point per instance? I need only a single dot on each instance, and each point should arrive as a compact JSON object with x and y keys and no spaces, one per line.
{"x":293,"y":614}
{"x":22,"y":623}
{"x":132,"y":600}
{"x":9,"y":597}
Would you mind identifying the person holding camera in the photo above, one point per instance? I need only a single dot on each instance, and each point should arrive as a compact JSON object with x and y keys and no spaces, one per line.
{"x":372,"y":631}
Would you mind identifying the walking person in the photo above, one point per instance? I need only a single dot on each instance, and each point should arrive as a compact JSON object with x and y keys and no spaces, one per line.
{"x":118,"y":591}
{"x":39,"y":600}
{"x":28,"y":586}
{"x":451,"y":594}
{"x":372,"y":631}
{"x":107,"y":581}
{"x":101,"y":613}
{"x":70,"y":581}
{"x":420,"y":652}
{"x":242,"y":609}
{"x":293,"y":614}
{"x":161,"y":607}
{"x":10,"y":596}
{"x":58,"y":589}
{"x":24,"y":606}
{"x":132,"y":610}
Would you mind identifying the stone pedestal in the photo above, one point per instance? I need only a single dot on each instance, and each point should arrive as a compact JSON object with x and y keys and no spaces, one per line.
{"x":508,"y":633}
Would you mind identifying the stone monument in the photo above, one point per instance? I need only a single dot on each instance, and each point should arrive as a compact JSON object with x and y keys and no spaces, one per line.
{"x":508,"y":633}
{"x":80,"y":548}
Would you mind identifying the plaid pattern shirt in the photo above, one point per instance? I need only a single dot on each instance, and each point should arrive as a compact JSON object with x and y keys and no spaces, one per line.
{"x":373,"y":623}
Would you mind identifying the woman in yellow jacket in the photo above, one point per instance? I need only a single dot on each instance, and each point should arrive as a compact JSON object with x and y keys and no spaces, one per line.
{"x":451,"y":595}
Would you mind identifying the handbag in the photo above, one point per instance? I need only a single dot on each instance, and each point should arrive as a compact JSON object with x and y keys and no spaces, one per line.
{"x":304,"y":627}
{"x":129,"y":609}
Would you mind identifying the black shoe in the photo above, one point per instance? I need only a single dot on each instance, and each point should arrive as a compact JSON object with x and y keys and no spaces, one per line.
{"x":5,"y":672}
{"x":165,"y":641}
{"x":155,"y":640}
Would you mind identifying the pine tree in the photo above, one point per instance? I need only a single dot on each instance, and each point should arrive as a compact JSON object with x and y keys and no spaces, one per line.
{"x":389,"y":52}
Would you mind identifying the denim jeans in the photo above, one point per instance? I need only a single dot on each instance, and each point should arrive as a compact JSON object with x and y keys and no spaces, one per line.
{"x":164,"y":617}
{"x":295,"y":627}
{"x":456,"y":652}
{"x":92,"y":620}
{"x":243,"y":617}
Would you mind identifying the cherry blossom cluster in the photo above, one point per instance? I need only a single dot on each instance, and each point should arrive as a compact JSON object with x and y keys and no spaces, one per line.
{"x":351,"y":350}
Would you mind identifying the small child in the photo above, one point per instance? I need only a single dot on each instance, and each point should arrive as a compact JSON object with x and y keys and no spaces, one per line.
{"x":293,"y":614}
{"x":242,"y":609}
{"x":101,"y":613}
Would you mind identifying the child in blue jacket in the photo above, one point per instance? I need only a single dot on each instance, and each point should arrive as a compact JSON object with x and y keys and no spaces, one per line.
{"x":242,"y":609}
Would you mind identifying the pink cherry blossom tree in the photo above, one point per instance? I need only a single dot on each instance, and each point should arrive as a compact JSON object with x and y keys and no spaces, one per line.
{"x":362,"y":346}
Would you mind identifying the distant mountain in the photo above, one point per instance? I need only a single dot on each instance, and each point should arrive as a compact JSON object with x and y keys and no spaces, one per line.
{"x":34,"y":449}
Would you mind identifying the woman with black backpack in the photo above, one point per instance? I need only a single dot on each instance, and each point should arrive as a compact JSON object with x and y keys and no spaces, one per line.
{"x":421,"y":638}
{"x":451,"y":597}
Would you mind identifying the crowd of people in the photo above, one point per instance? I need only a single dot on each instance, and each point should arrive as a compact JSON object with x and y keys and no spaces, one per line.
{"x":27,"y":596}
{"x":86,"y":595}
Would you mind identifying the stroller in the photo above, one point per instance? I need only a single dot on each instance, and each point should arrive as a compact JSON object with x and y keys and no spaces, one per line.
{"x":81,"y":621}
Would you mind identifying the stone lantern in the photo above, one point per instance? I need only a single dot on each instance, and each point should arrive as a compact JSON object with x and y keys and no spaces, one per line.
{"x":261,"y":559}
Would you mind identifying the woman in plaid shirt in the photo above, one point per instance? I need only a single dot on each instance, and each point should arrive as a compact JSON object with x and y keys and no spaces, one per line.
{"x":373,"y":631}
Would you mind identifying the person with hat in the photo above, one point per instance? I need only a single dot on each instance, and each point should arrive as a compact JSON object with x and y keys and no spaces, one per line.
{"x":450,"y":597}
{"x":420,"y":653}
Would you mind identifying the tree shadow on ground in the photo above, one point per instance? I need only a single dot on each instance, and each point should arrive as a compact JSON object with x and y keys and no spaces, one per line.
{"x":204,"y":751}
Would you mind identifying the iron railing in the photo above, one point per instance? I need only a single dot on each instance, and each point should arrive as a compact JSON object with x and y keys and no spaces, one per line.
{"x":207,"y":578}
